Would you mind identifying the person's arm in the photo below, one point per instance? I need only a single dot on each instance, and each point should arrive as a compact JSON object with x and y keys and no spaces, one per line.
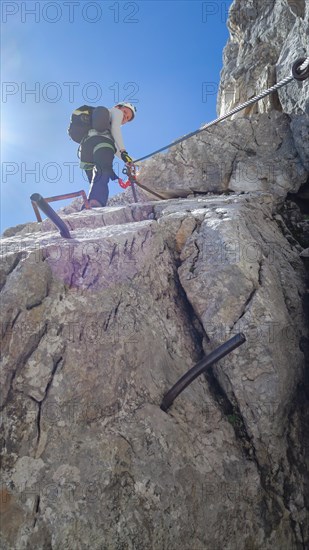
{"x":116,"y":120}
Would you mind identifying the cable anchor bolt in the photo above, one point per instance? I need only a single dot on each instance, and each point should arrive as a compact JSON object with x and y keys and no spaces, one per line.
{"x":296,"y":73}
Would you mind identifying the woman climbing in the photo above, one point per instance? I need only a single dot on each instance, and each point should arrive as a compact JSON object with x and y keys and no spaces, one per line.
{"x":98,"y":148}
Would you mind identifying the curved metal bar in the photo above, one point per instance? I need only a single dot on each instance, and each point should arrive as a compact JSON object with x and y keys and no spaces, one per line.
{"x":300,"y":69}
{"x":202,"y":365}
{"x":39,"y":201}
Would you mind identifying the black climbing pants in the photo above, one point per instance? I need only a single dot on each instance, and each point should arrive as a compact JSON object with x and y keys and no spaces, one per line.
{"x":98,"y":151}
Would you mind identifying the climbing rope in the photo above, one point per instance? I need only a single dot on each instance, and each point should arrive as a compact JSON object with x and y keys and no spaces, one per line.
{"x":300,"y":71}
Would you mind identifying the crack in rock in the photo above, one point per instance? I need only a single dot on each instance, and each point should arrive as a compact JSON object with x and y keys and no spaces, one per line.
{"x":33,"y":343}
{"x":40,"y":403}
{"x":249,"y":301}
{"x":11,"y":268}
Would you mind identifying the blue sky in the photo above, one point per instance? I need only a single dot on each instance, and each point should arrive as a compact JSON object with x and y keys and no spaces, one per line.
{"x":163,"y":56}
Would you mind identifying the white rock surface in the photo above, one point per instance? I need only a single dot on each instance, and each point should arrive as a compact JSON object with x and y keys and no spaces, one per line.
{"x":97,"y":328}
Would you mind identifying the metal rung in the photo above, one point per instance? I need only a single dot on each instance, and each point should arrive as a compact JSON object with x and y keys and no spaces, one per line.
{"x":39,"y":202}
{"x":200,"y":367}
{"x":60,"y":198}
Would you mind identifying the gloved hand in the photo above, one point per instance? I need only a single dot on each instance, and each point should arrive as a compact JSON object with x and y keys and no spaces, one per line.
{"x":125,"y":157}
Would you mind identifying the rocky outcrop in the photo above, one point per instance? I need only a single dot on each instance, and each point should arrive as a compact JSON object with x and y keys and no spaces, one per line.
{"x":266,"y":37}
{"x":265,"y":147}
{"x":246,"y":154}
{"x":109,"y":321}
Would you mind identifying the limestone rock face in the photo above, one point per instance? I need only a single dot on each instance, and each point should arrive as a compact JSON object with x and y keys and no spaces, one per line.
{"x":245,"y":154}
{"x":257,"y":151}
{"x":97,"y":328}
{"x":266,"y":37}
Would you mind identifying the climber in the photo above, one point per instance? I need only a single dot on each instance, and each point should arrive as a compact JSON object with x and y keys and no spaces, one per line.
{"x":98,"y":148}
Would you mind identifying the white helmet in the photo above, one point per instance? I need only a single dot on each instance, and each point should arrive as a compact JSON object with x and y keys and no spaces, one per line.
{"x":130,"y":106}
